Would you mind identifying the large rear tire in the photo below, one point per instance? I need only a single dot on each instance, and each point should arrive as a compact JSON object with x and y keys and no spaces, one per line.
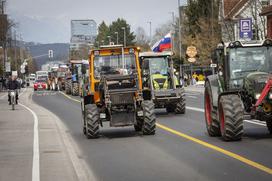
{"x":91,"y":121}
{"x":149,"y":122}
{"x":180,"y":107}
{"x":75,"y":89}
{"x":212,"y":123}
{"x":269,"y":126}
{"x":231,"y":116}
{"x":68,"y":84}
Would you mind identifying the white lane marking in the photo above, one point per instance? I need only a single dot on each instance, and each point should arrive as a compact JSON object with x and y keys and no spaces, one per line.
{"x":260,"y":123}
{"x":36,"y":150}
{"x":3,"y":96}
{"x":256,"y":122}
{"x":195,"y":109}
{"x":194,"y":97}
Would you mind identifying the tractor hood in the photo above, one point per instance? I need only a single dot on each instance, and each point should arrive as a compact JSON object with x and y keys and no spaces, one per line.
{"x":255,"y":82}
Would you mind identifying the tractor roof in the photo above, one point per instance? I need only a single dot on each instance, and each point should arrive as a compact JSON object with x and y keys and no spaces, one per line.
{"x":155,"y":54}
{"x":256,"y":43}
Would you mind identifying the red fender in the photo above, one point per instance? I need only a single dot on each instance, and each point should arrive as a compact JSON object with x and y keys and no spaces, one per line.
{"x":264,"y":93}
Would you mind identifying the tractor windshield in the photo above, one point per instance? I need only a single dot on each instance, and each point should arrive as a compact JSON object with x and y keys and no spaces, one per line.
{"x":114,"y":64}
{"x":158,"y":65}
{"x":246,"y":60}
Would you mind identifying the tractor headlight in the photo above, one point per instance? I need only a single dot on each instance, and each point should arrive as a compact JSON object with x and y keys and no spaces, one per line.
{"x":257,"y":96}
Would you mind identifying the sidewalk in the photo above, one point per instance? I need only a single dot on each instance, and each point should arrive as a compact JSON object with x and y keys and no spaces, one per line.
{"x":16,"y":140}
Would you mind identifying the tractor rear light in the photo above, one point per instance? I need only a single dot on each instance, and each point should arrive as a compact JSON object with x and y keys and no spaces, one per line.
{"x":103,"y":116}
{"x":140,"y":113}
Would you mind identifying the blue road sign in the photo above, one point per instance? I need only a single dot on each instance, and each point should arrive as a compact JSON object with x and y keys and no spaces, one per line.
{"x":246,"y":28}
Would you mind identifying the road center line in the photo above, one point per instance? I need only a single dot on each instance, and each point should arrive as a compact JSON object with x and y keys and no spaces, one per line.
{"x":218,"y":149}
{"x":36,"y":150}
{"x":206,"y":144}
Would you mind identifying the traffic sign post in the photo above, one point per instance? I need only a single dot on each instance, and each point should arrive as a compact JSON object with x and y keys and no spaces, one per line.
{"x":246,"y":28}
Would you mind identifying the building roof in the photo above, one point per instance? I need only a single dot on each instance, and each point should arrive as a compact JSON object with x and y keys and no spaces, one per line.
{"x":266,"y":11}
{"x":232,"y":7}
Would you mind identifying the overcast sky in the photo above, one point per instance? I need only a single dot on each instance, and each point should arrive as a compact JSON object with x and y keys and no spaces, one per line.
{"x":48,"y":21}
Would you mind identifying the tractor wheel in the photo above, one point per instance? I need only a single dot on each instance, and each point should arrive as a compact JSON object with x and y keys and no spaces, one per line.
{"x":138,"y":125}
{"x":180,"y":107}
{"x":149,"y":122}
{"x":68,"y":84}
{"x":212,"y":124}
{"x":75,"y":89}
{"x":269,"y":126}
{"x":91,"y":121}
{"x":231,"y":115}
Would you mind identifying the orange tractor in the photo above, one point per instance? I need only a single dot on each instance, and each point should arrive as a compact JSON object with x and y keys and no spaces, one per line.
{"x":114,"y":92}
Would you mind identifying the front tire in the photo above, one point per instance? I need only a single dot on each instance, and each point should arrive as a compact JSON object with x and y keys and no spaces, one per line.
{"x":180,"y":107}
{"x":91,"y":121}
{"x":231,"y":116}
{"x":149,"y":122}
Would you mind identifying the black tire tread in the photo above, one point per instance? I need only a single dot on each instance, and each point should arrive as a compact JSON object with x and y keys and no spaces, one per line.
{"x":149,"y":122}
{"x":181,"y":106}
{"x":214,"y":129}
{"x":234,"y":116}
{"x":92,"y":121}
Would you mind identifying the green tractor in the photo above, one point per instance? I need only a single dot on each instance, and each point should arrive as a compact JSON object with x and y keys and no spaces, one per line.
{"x":161,"y":83}
{"x":240,"y":90}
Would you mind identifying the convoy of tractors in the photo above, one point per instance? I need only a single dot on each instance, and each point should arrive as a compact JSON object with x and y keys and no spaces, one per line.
{"x":123,"y":86}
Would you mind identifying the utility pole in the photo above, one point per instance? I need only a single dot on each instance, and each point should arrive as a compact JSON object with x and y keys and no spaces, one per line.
{"x":125,"y":38}
{"x":212,"y":16}
{"x":180,"y":46}
{"x":117,"y":38}
{"x":15,"y":50}
{"x":150,"y":31}
{"x":256,"y":20}
{"x":172,"y":32}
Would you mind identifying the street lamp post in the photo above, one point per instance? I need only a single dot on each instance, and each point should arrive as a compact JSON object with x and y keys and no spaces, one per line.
{"x":109,"y":37}
{"x":173,"y":31}
{"x":150,"y":31}
{"x":125,"y":39}
{"x":117,"y":38}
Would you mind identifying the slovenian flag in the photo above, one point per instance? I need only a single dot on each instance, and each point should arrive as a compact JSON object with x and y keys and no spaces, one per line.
{"x":163,"y":44}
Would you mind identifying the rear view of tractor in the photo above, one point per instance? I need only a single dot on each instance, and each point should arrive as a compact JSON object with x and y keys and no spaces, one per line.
{"x":241,"y":89}
{"x":72,"y":78}
{"x":160,"y":84}
{"x":114,"y":93}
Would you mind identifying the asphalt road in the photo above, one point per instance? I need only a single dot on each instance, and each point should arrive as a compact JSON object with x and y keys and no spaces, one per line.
{"x":121,"y":154}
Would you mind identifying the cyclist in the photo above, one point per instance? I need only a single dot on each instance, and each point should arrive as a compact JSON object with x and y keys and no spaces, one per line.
{"x":13,"y":84}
